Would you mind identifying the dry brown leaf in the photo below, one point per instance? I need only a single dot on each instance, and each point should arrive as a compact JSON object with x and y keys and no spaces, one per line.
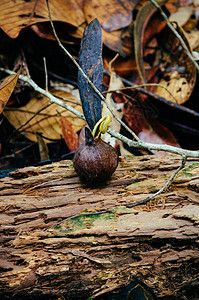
{"x":69,"y":134}
{"x":113,"y":15}
{"x":48,"y":121}
{"x":115,"y":83}
{"x":139,"y":117}
{"x":6,"y":88}
{"x":145,"y":28}
{"x":43,"y":148}
{"x":193,"y":38}
{"x":179,"y":72}
{"x":17,"y":15}
{"x":182,"y":15}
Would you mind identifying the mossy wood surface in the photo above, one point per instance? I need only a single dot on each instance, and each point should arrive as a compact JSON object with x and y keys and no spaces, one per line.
{"x":89,"y":255}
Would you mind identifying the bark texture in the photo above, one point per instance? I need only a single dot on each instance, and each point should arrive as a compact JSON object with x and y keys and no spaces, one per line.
{"x":102,"y":246}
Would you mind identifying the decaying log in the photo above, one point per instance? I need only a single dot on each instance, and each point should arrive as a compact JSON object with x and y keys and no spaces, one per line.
{"x":90,"y":254}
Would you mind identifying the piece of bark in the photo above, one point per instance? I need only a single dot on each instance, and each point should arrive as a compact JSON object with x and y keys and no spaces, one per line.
{"x":89,"y":255}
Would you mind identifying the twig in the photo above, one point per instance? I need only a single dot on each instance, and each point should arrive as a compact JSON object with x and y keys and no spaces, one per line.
{"x":87,"y":78}
{"x":68,"y":100}
{"x":135,"y":144}
{"x":24,"y":124}
{"x":137,"y":87}
{"x":46,"y":74}
{"x":52,"y":98}
{"x":189,"y":111}
{"x":144,"y":145}
{"x":168,"y":183}
{"x":169,"y":24}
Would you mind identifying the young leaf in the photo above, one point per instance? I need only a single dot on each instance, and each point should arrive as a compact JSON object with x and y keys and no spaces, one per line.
{"x":6,"y":89}
{"x":90,"y":60}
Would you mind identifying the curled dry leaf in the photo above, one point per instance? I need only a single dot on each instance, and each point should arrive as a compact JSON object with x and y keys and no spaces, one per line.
{"x":6,"y":88}
{"x":113,"y":15}
{"x":179,"y":72}
{"x":47,"y":122}
{"x":69,"y":134}
{"x":144,"y":31}
{"x":17,"y":15}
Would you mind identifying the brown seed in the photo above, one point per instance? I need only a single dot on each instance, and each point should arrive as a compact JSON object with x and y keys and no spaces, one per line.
{"x":95,"y":160}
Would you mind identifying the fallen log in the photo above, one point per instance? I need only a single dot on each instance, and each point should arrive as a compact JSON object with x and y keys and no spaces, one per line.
{"x":61,"y":238}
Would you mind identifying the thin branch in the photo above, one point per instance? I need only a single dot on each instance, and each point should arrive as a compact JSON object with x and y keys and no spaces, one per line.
{"x":68,"y":100}
{"x":24,"y":124}
{"x":169,"y":24}
{"x":137,"y":87}
{"x":168,"y":183}
{"x":135,"y":144}
{"x":46,"y":73}
{"x":144,"y":145}
{"x":189,"y":111}
{"x":52,"y":98}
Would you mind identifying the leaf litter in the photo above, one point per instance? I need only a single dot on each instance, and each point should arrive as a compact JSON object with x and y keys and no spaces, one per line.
{"x":152,"y":51}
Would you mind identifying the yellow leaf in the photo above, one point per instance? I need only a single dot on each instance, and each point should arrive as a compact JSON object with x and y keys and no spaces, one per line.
{"x":6,"y":89}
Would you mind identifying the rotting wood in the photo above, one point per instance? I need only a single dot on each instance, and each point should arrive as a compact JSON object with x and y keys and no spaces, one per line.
{"x":88,"y":255}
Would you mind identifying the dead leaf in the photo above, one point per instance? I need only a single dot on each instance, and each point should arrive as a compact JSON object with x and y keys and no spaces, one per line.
{"x":69,"y":134}
{"x":124,"y":67}
{"x":193,"y":38}
{"x":48,"y":121}
{"x":43,"y":148}
{"x":17,"y":15}
{"x":115,"y":83}
{"x":144,"y":31}
{"x":152,"y":131}
{"x":113,"y":15}
{"x":6,"y":89}
{"x":182,"y":15}
{"x":139,"y":117}
{"x":179,"y":72}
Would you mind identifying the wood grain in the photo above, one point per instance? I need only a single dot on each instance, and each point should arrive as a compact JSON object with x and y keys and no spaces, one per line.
{"x":89,"y":255}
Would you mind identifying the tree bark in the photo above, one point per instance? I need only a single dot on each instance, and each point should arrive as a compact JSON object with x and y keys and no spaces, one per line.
{"x":102,"y":246}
